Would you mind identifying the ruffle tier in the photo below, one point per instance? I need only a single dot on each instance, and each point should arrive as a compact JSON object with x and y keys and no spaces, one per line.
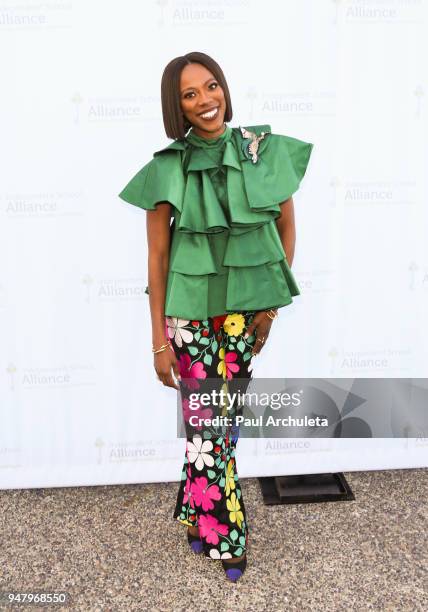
{"x":235,"y":249}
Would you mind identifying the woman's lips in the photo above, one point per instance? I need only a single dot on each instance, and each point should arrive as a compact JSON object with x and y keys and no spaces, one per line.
{"x":209,"y":115}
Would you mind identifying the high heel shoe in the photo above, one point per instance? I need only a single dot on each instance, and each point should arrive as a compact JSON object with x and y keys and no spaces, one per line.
{"x":195,"y":542}
{"x":234,"y":571}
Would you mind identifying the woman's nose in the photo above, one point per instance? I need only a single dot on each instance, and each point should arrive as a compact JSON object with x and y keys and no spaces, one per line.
{"x":204,"y":99}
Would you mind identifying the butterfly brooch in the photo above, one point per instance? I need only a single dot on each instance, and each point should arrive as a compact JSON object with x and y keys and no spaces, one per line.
{"x":252,"y":147}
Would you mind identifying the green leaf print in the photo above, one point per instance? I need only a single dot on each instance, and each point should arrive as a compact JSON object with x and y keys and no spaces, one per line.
{"x":204,"y":340}
{"x":232,"y":339}
{"x":242,"y":540}
{"x":211,"y":474}
{"x":224,"y":546}
{"x":214,"y":347}
{"x":222,"y":482}
{"x":230,"y":347}
{"x":192,"y":350}
{"x":241,"y":346}
{"x":247,"y":356}
{"x":207,"y":435}
{"x":197,"y":336}
{"x":233,"y":535}
{"x":238,"y":493}
{"x":238,"y":552}
{"x":208,"y":359}
{"x":205,"y":323}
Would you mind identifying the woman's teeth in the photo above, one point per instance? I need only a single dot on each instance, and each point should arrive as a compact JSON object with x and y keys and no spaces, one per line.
{"x":210,"y":115}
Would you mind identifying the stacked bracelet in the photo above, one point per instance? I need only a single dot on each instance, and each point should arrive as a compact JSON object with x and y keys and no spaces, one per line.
{"x":162,"y":348}
{"x":272,"y":314}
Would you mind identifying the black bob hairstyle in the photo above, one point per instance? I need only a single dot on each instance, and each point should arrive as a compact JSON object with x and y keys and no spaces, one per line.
{"x":176,"y":125}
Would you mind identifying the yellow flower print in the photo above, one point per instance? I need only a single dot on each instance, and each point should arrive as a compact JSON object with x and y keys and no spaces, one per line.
{"x":221,"y":368}
{"x":230,"y":478}
{"x":226,"y":366}
{"x":234,"y":324}
{"x":234,"y":507}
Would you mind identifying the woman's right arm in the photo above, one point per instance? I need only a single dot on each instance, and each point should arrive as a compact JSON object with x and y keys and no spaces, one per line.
{"x":158,"y":241}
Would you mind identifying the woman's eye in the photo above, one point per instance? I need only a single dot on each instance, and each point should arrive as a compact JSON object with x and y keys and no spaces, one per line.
{"x":192,"y":92}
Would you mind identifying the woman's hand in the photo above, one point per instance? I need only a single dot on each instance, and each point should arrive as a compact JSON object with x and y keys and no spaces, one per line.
{"x":261,"y":325}
{"x":164,"y":362}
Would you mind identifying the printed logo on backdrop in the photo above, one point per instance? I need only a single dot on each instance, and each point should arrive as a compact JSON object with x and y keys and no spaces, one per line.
{"x":265,"y":106}
{"x":36,"y":15}
{"x":204,"y":13}
{"x":288,"y":447}
{"x":377,"y":11}
{"x":374,"y":361}
{"x":381,"y":193}
{"x":317,"y":281}
{"x":113,"y":289}
{"x":43,"y":204}
{"x":374,"y":193}
{"x":115,"y":109}
{"x":62,"y":376}
{"x":140,"y":451}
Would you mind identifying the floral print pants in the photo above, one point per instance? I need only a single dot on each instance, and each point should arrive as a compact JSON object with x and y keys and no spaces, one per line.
{"x":212,"y":352}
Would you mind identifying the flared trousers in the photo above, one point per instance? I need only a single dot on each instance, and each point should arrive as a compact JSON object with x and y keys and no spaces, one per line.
{"x":214,"y":357}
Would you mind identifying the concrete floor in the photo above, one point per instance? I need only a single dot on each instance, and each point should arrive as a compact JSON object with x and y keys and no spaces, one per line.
{"x":118,"y":548}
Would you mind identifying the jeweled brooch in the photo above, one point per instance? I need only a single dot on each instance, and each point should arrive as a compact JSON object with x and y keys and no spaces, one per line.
{"x":252,"y":147}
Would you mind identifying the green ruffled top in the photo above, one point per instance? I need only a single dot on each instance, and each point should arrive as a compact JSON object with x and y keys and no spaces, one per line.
{"x":226,"y":254}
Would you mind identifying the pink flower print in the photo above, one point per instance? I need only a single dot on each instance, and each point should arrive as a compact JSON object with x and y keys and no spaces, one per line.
{"x":215,"y":554}
{"x":199,"y":452}
{"x":199,"y":413}
{"x":209,"y":528}
{"x":203,"y":495}
{"x":190,"y":373}
{"x":188,"y":494}
{"x":226,"y":366}
{"x":175,"y":329}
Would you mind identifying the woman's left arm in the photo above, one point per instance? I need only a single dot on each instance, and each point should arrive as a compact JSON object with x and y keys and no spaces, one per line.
{"x":287,"y":229}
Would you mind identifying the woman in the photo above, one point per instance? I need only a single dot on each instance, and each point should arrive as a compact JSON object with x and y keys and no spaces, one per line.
{"x":217,"y":276}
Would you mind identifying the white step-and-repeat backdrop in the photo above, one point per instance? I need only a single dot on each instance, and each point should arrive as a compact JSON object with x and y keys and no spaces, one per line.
{"x":80,"y":114}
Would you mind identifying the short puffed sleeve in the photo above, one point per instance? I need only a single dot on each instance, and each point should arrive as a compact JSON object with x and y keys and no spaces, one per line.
{"x":161,"y":180}
{"x":277,"y":174}
{"x":291,"y":158}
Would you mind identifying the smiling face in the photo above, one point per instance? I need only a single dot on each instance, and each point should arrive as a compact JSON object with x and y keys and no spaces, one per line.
{"x":202,"y":101}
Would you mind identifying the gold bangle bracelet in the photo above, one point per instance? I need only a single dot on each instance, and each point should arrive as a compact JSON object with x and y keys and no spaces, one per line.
{"x":271,"y":314}
{"x":162,"y":348}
